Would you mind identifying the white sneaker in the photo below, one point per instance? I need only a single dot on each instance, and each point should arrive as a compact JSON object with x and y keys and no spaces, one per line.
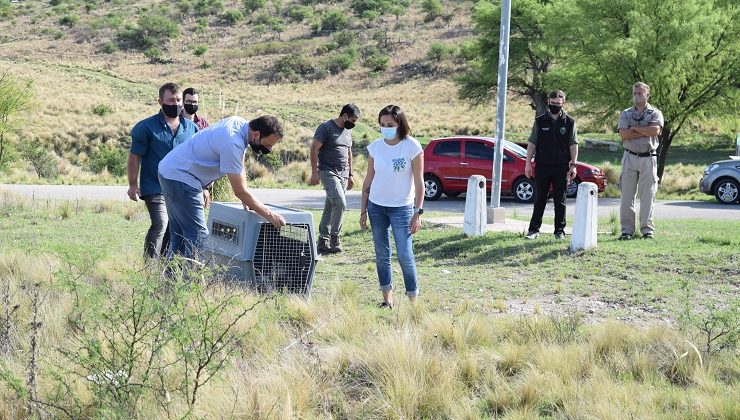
{"x":531,"y":235}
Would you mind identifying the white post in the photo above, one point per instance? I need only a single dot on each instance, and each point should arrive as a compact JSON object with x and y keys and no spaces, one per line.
{"x":475,"y":207}
{"x":585,"y":221}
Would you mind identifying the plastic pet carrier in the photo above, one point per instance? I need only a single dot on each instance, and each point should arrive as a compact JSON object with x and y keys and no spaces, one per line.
{"x":253,"y":252}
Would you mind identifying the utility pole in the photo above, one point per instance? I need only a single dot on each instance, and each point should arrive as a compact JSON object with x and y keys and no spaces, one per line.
{"x":496,"y":213}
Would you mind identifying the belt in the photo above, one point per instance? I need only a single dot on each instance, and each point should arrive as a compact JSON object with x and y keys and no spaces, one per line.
{"x":646,"y":154}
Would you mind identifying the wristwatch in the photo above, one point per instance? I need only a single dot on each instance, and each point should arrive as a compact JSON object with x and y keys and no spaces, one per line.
{"x":419,"y":211}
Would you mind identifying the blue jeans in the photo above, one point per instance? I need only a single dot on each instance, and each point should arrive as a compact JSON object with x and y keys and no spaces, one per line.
{"x":187,"y":228}
{"x":382,"y":220}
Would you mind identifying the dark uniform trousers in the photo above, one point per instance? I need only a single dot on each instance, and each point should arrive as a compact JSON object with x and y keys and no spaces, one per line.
{"x":555,"y":174}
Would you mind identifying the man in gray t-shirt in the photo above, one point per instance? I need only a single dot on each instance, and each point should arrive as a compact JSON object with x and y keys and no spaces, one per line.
{"x":331,"y":163}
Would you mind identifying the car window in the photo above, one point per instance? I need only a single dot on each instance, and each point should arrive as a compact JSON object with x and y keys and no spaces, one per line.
{"x":516,"y":149}
{"x":478,"y":150}
{"x":447,"y":148}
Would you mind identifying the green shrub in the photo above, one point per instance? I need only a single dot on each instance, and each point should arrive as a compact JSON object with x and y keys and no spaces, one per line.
{"x":42,"y":160}
{"x":151,"y":30}
{"x":300,"y":13}
{"x":200,"y":50}
{"x":154,"y":54}
{"x":295,"y":68}
{"x":102,"y":110}
{"x":438,"y":51}
{"x":110,"y":47}
{"x":432,"y":9}
{"x":339,"y":62}
{"x":333,"y":20}
{"x":232,"y":17}
{"x":6,"y":9}
{"x":375,"y":60}
{"x":111,"y":157}
{"x":55,"y":2}
{"x":372,"y":9}
{"x":69,"y":20}
{"x":252,"y":6}
{"x":201,"y":24}
{"x":345,"y":38}
{"x":208,"y":7}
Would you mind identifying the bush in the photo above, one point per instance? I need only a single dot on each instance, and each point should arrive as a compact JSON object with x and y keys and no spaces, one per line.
{"x":102,"y":110}
{"x":295,"y":68}
{"x":376,"y":60}
{"x":372,"y":9}
{"x":300,"y":13}
{"x":438,"y":51}
{"x":333,"y":20}
{"x":345,"y":38}
{"x":432,"y":8}
{"x":253,"y":5}
{"x":200,"y":50}
{"x":110,"y":47}
{"x":339,"y":62}
{"x":69,"y":20}
{"x":42,"y":160}
{"x":111,"y":157}
{"x":151,"y":30}
{"x":232,"y":17}
{"x":154,"y":54}
{"x":208,"y":7}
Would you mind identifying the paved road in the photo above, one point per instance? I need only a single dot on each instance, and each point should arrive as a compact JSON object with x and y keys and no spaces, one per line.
{"x":314,"y":198}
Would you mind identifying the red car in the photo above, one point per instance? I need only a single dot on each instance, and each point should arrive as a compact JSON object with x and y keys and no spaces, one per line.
{"x":450,"y":161}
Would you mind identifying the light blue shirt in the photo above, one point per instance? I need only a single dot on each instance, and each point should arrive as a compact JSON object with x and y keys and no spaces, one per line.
{"x":212,"y":153}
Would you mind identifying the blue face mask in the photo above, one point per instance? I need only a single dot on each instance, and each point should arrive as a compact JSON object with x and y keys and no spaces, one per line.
{"x":388,"y":132}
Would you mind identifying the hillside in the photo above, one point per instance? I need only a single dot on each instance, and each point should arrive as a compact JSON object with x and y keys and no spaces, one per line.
{"x":93,"y":76}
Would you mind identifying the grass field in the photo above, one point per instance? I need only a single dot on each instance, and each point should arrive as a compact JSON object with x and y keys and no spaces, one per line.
{"x":503,"y":327}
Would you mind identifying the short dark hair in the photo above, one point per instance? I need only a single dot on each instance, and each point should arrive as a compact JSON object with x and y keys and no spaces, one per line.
{"x":189,"y":91}
{"x":557,"y":93}
{"x":267,"y":125}
{"x":398,"y":115}
{"x":169,"y":87}
{"x":351,"y":110}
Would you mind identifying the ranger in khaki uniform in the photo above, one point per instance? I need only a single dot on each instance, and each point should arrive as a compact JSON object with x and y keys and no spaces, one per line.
{"x":639,"y":128}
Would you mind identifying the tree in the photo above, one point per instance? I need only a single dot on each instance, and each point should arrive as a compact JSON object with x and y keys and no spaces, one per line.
{"x":688,"y":51}
{"x":15,"y":98}
{"x":535,"y":44}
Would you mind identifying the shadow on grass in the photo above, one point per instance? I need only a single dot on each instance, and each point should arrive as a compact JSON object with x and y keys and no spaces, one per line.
{"x":492,"y":249}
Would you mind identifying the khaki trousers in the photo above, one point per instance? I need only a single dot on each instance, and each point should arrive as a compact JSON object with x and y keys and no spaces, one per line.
{"x":639,"y":175}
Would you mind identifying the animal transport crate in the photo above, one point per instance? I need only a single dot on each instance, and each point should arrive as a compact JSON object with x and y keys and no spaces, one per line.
{"x":253,"y":252}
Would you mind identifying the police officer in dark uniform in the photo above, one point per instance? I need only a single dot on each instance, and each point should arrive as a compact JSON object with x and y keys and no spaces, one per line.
{"x":554,"y":146}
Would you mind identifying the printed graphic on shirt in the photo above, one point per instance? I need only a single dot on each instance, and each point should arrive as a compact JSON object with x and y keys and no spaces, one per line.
{"x":562,"y":130}
{"x":399,"y":164}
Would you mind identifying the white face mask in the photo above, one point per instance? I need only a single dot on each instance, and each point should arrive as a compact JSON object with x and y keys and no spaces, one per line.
{"x":637,"y":99}
{"x":388,"y":132}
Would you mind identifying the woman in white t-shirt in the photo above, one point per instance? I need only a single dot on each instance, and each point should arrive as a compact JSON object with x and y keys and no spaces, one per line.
{"x":393,"y":199}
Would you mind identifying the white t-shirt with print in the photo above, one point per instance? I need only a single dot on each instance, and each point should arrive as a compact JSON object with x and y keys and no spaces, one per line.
{"x":393,"y":183}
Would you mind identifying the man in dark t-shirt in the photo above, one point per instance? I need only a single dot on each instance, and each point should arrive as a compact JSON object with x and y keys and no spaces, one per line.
{"x":331,"y":163}
{"x":554,"y":145}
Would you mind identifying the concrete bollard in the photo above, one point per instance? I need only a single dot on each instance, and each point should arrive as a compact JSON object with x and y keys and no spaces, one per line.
{"x":475,"y":207}
{"x":585,"y":221}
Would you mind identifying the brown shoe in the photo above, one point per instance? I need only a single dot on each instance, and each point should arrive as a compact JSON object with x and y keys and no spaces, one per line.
{"x":323,"y":246}
{"x":335,"y":245}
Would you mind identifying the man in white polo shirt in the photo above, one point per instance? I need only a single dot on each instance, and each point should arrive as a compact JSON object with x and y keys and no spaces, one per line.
{"x":212,"y":153}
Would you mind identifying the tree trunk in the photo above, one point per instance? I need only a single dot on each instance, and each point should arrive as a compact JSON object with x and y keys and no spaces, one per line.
{"x":666,"y":137}
{"x":539,"y":103}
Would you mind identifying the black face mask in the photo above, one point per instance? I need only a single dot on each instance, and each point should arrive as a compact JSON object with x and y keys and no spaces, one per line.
{"x":191,"y":108}
{"x":349,"y":125}
{"x":259,"y":149}
{"x":555,"y":109}
{"x":171,"y":111}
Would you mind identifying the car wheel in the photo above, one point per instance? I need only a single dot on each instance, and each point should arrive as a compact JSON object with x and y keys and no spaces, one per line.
{"x":726,"y":191}
{"x":524,"y":190}
{"x":452,"y":194}
{"x":572,"y":190}
{"x":432,"y":187}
